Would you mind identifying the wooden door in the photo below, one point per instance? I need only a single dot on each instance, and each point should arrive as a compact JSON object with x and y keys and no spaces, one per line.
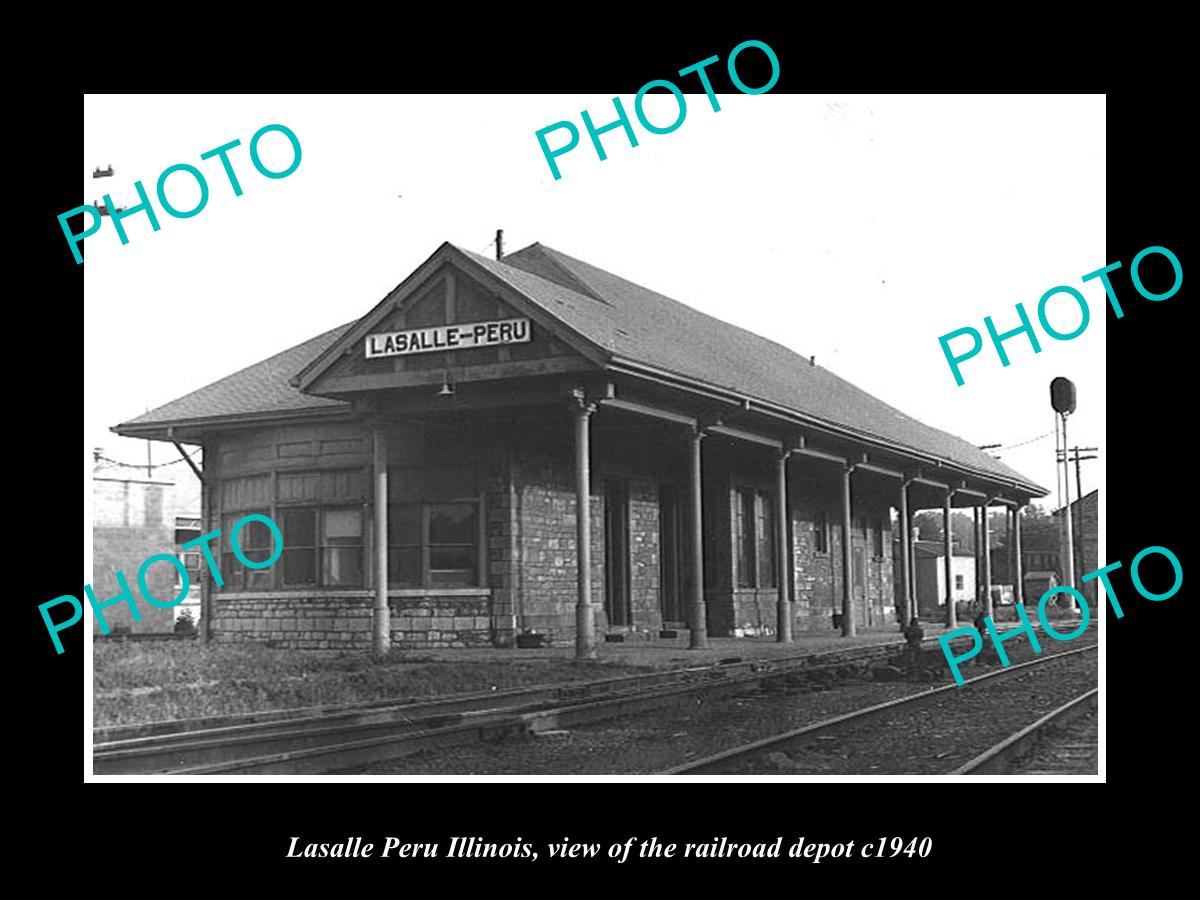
{"x":616,"y":552}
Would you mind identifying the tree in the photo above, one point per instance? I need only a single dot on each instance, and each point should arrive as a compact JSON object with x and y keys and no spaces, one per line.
{"x":929,"y":521}
{"x":1039,"y":530}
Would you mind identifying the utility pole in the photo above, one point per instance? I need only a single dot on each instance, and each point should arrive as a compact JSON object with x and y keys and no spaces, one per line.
{"x":1077,"y":459}
{"x":1062,"y":399}
{"x":149,"y":458}
{"x":1069,"y":455}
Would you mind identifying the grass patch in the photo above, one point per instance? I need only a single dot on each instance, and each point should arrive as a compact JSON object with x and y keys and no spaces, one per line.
{"x":143,"y":682}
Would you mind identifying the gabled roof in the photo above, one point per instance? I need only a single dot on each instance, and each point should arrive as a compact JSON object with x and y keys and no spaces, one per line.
{"x":614,"y":322}
{"x":637,"y":324}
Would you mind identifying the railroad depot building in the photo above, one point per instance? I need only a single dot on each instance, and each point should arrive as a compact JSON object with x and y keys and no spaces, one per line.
{"x":426,"y":462}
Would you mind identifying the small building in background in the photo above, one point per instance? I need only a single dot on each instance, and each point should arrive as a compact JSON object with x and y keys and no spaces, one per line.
{"x":930,"y":571}
{"x":187,"y":528}
{"x":135,"y":517}
{"x":1085,"y":537}
{"x":1036,"y":584}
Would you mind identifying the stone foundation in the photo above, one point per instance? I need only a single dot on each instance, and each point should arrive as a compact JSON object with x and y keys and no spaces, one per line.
{"x":321,"y":621}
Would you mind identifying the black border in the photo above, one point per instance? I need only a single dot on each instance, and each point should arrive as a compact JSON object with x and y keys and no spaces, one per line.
{"x":239,"y":831}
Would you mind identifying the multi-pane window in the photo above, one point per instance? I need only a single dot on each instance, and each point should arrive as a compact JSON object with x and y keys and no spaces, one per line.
{"x":321,"y":517}
{"x":433,"y":544}
{"x":434,"y":517}
{"x":257,"y":545}
{"x":754,"y":537}
{"x":322,"y":546}
{"x":452,"y":548}
{"x":342,"y":547}
{"x":744,"y":537}
{"x":299,"y":564}
{"x":766,"y":541}
{"x":821,"y":532}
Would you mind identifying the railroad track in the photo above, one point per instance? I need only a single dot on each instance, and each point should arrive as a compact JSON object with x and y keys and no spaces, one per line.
{"x":317,"y":739}
{"x":322,"y":739}
{"x":1062,"y":742}
{"x":741,"y":758}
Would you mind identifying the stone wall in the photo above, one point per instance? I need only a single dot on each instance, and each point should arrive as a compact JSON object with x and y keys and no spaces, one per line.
{"x":459,"y":618}
{"x":644,"y":558}
{"x":546,"y":545}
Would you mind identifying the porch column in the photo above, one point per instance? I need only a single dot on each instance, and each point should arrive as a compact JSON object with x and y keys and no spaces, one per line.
{"x":948,"y":549}
{"x":849,"y":627}
{"x":585,"y":628}
{"x":905,"y":560}
{"x":1019,"y":565}
{"x":912,"y":564}
{"x":383,"y":617}
{"x":975,"y":541}
{"x":699,"y":615}
{"x":208,"y":496}
{"x":782,"y":556}
{"x":1010,"y":513}
{"x":987,"y":559}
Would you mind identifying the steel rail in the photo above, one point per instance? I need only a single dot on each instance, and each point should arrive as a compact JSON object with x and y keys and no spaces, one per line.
{"x":998,"y":759}
{"x":169,"y":746}
{"x":720,"y":763}
{"x":311,"y":739}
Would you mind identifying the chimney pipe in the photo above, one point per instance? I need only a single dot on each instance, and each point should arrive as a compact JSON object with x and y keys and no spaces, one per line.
{"x":499,"y":243}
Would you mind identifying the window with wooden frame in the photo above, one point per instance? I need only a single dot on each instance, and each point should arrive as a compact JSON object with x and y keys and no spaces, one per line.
{"x":256,"y":543}
{"x":434,"y":544}
{"x":877,"y":539}
{"x":743,"y":536}
{"x":821,"y":532}
{"x":321,"y":517}
{"x":754,"y":538}
{"x":322,"y":547}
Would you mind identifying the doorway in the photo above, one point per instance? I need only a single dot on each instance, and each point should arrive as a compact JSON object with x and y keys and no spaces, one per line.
{"x":672,"y":573}
{"x":616,"y":552}
{"x":861,"y":604}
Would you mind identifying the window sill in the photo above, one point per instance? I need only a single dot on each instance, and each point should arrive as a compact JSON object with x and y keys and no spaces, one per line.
{"x":297,"y":593}
{"x":440,"y":591}
{"x":333,"y":593}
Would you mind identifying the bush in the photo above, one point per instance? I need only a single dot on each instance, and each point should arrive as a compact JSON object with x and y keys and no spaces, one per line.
{"x":185,"y":624}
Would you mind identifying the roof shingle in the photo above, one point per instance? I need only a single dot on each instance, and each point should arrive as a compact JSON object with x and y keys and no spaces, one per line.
{"x":260,"y":388}
{"x":632,"y":323}
{"x":640,"y":325}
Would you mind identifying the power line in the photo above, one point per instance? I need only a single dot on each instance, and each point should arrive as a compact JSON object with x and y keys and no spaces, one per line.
{"x":1030,"y":441}
{"x":100,"y":458}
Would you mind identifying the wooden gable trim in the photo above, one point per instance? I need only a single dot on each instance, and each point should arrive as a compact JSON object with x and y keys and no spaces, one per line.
{"x":451,"y":256}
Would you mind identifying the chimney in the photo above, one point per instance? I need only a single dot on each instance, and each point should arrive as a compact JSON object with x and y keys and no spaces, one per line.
{"x":499,"y":243}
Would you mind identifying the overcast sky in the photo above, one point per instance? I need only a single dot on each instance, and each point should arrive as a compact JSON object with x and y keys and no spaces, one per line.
{"x":856,"y":229}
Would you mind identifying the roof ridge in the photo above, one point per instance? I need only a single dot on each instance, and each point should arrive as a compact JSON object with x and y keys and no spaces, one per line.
{"x":608,"y":316}
{"x":800,"y":357}
{"x":691,"y":309}
{"x":528,"y":274}
{"x":572,"y":279}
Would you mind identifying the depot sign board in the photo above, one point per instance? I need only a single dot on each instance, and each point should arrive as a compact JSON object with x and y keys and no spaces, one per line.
{"x":467,"y":336}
